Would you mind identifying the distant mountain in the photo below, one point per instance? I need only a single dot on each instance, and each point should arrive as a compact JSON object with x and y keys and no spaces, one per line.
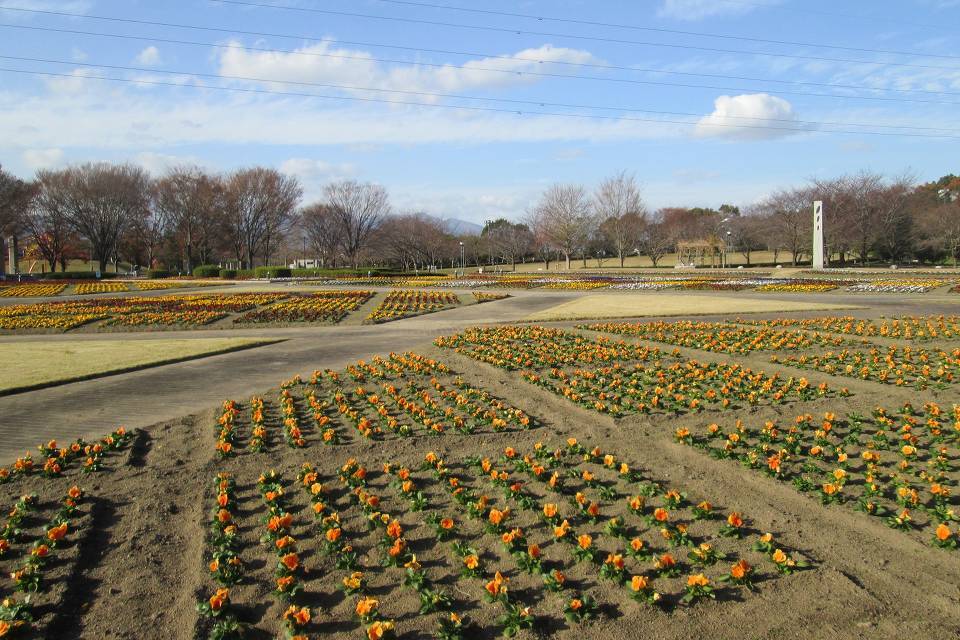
{"x":462,"y":227}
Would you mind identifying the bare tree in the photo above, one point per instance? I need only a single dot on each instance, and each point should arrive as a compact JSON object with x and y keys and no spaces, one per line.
{"x":745,"y":235}
{"x":46,"y":223}
{"x":656,"y":240}
{"x":894,"y":235}
{"x":190,"y":202}
{"x":939,"y":225}
{"x":622,"y":214}
{"x":319,"y":224}
{"x":791,"y":217}
{"x":16,"y":197}
{"x":98,"y":201}
{"x":508,"y":240}
{"x":358,"y":208}
{"x":562,"y":218}
{"x":261,"y":204}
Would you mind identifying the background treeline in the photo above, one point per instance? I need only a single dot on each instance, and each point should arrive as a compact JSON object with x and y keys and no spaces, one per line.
{"x":110,"y":214}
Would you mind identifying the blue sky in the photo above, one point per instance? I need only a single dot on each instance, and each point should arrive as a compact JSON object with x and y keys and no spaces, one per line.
{"x":728,"y":139}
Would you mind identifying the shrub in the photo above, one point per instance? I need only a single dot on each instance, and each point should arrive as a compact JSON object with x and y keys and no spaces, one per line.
{"x":273,"y":272}
{"x":70,"y":275}
{"x":206,"y":271}
{"x":155,"y":274}
{"x":228,"y":274}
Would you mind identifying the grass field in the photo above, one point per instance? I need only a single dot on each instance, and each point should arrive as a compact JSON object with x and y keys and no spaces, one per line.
{"x":43,"y":363}
{"x":661,"y":304}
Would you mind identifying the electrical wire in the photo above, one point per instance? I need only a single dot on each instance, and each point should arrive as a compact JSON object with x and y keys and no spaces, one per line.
{"x":464,"y":107}
{"x":543,"y":74}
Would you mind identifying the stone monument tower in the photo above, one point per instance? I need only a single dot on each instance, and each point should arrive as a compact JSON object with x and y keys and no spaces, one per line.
{"x":818,"y":257}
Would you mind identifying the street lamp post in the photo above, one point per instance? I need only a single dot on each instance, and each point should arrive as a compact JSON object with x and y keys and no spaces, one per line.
{"x":463,"y":264}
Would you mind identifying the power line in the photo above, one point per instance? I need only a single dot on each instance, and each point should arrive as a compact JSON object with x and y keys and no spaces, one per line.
{"x":543,"y":74}
{"x":458,"y":25}
{"x":452,"y":96}
{"x":516,"y":112}
{"x":486,"y":28}
{"x":634,"y":27}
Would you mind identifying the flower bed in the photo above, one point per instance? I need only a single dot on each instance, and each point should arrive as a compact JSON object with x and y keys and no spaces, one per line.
{"x":899,"y":465}
{"x":32,"y":290}
{"x":899,"y":285}
{"x":904,"y":327}
{"x":322,"y":306}
{"x":898,"y":365}
{"x":407,"y":303}
{"x":133,"y":311}
{"x":620,"y":377}
{"x":527,"y":536}
{"x":720,"y":337}
{"x":481,"y":296}
{"x":400,"y":396}
{"x":100,"y":287}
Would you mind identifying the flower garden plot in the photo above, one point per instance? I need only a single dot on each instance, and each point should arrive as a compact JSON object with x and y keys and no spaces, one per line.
{"x":625,"y":378}
{"x":798,"y":287}
{"x":529,"y":540}
{"x":897,"y":365}
{"x":32,"y":290}
{"x":100,"y":287}
{"x":481,"y":296}
{"x":900,"y":285}
{"x":571,"y":285}
{"x":134,"y":311}
{"x":720,"y":337}
{"x":12,"y":320}
{"x":39,"y":533}
{"x":400,"y":396}
{"x":322,"y":306}
{"x":904,"y":327}
{"x":901,"y":466}
{"x":404,"y":304}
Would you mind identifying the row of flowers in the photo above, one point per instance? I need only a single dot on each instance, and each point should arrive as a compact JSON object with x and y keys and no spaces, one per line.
{"x":16,"y":612}
{"x":57,"y":459}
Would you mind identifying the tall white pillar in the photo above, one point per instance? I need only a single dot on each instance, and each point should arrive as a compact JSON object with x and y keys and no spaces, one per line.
{"x":818,"y":258}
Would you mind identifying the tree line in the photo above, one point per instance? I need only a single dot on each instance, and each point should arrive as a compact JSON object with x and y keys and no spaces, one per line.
{"x":867,"y":218}
{"x":113,"y":213}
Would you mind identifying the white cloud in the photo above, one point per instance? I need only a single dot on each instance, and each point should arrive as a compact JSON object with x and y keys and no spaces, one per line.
{"x":700,"y":9}
{"x":74,"y":82}
{"x":754,"y":116}
{"x":149,"y":57}
{"x":106,"y":116}
{"x":325,"y":63}
{"x":158,"y":163}
{"x":314,"y":174}
{"x":36,"y":159}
